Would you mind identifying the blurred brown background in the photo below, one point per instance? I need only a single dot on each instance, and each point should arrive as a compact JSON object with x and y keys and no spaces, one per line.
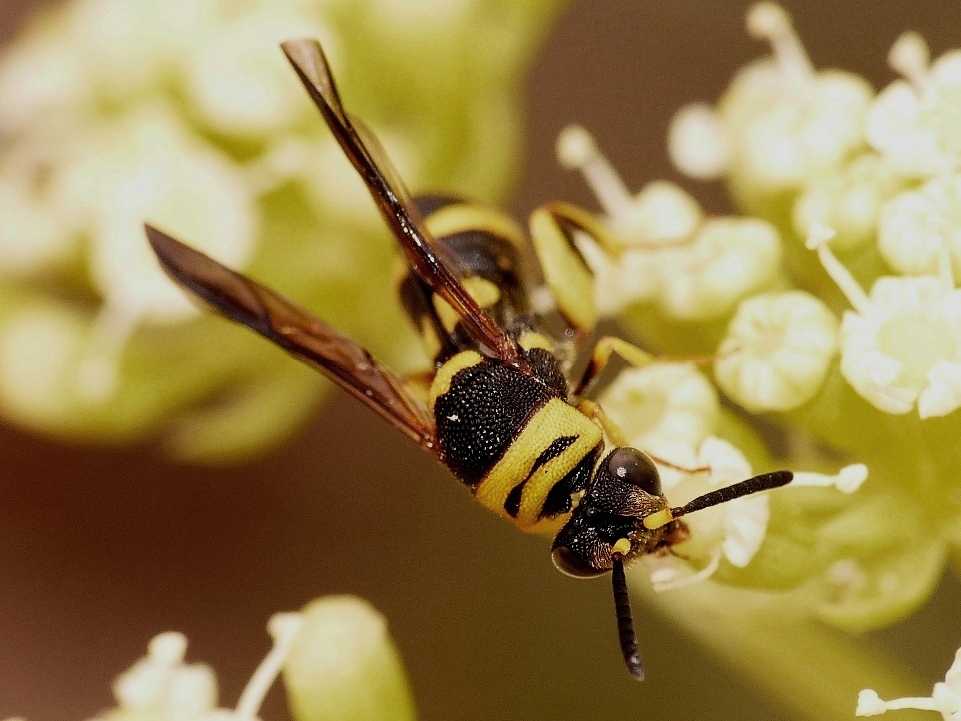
{"x":103,"y":549}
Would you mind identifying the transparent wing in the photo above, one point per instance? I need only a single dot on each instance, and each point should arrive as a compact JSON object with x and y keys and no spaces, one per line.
{"x":302,"y":335}
{"x":388,"y":192}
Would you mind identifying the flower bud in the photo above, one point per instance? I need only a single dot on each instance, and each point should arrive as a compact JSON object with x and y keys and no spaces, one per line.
{"x":777,"y":352}
{"x":343,"y":664}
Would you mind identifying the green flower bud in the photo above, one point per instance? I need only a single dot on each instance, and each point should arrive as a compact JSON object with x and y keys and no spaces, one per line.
{"x":343,"y":665}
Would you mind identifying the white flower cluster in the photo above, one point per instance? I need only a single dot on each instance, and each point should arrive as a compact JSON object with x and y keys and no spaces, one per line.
{"x":162,"y":687}
{"x":694,"y":267}
{"x":882,"y":173}
{"x":187,"y":115}
{"x":671,"y":411}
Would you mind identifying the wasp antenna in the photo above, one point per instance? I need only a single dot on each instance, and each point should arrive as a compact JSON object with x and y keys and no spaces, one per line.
{"x":763,"y":482}
{"x":625,"y":622}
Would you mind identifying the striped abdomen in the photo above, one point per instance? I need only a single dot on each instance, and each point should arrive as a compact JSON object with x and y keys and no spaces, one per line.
{"x":512,"y":438}
{"x":482,"y":246}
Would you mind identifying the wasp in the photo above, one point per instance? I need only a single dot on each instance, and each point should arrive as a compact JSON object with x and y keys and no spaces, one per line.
{"x":499,"y":409}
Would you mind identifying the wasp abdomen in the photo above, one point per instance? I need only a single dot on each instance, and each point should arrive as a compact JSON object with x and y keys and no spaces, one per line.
{"x":521,"y":448}
{"x":483,"y":247}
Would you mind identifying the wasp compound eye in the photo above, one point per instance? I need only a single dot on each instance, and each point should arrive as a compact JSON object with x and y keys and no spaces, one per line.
{"x":632,"y":466}
{"x":571,"y":563}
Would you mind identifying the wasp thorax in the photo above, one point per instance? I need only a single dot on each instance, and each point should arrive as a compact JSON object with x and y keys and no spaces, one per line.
{"x":609,"y":521}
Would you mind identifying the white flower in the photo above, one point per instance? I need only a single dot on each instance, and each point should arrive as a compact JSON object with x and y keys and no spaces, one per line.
{"x":39,"y":75}
{"x":696,"y":269}
{"x":900,"y":346}
{"x":849,"y":199}
{"x":728,"y":259}
{"x":780,"y":123}
{"x":40,"y":345}
{"x":777,"y":351}
{"x":124,"y":46}
{"x":917,"y":225}
{"x":733,"y":531}
{"x":148,"y":166}
{"x":914,"y":122}
{"x":697,"y":142}
{"x":240,"y":81}
{"x":945,"y":697}
{"x":162,"y":687}
{"x":661,"y":215}
{"x":31,"y":238}
{"x":323,"y":172}
{"x":663,"y":407}
{"x":162,"y":684}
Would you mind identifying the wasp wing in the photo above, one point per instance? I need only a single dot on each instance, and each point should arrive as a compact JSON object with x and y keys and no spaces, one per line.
{"x":311,"y":66}
{"x":305,"y":337}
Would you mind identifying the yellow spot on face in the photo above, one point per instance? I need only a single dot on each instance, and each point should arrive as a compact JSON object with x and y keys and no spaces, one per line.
{"x":658,"y":519}
{"x":622,"y":547}
{"x":445,"y":374}
{"x":482,"y":290}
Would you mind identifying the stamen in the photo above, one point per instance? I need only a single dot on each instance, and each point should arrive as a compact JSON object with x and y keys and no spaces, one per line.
{"x":769,"y":21}
{"x":697,"y":142}
{"x":168,"y":648}
{"x":576,"y":150}
{"x":818,"y":240}
{"x":910,"y":56}
{"x":870,"y":704}
{"x":283,"y":628}
{"x":847,"y":480}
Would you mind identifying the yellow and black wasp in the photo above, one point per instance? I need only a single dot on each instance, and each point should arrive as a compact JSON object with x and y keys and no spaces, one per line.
{"x":500,"y":412}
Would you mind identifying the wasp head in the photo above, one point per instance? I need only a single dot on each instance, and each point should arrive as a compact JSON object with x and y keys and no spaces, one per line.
{"x":609,"y":521}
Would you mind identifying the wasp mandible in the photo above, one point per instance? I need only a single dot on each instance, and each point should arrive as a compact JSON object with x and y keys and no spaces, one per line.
{"x":500,"y":412}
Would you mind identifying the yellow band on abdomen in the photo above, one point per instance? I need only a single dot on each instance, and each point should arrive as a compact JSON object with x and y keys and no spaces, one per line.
{"x":555,"y":419}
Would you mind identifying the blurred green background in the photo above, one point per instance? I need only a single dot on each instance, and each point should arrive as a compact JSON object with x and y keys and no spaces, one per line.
{"x":102,"y":549}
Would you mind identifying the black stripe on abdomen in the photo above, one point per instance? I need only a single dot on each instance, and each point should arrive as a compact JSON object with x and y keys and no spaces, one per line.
{"x":513,"y":503}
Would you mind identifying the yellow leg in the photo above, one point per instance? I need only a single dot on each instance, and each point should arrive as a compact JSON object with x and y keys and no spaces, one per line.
{"x":616,"y":436}
{"x":566,"y":273}
{"x":601,"y":356}
{"x":608,"y":345}
{"x":613,"y":431}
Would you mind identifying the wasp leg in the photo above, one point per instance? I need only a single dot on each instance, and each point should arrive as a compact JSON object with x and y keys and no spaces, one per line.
{"x":601,"y":356}
{"x":608,"y":345}
{"x":690,"y":470}
{"x":613,"y":431}
{"x":566,"y":272}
